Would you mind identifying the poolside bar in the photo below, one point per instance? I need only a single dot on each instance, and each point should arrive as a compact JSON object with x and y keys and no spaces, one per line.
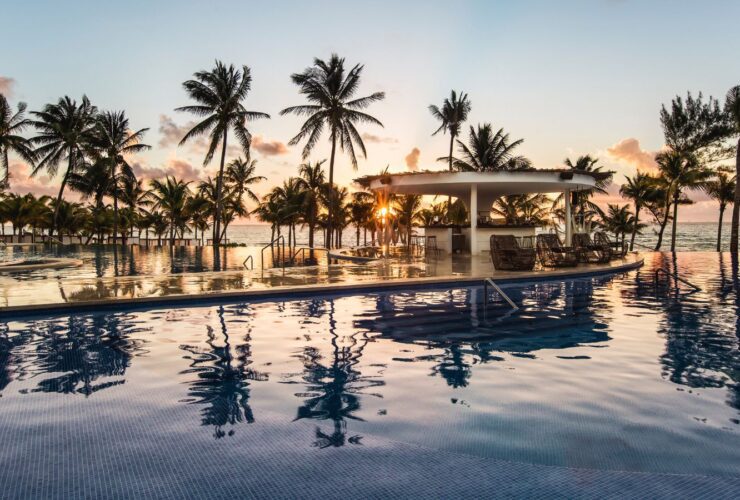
{"x":479,"y":190}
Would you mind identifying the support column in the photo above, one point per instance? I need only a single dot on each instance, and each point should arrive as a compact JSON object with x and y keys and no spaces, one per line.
{"x":474,"y":219}
{"x":568,"y":219}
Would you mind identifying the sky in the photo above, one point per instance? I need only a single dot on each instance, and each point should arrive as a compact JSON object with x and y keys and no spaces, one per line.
{"x":569,"y":77}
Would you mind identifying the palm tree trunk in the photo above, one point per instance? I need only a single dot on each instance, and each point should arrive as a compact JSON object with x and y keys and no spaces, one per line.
{"x":449,"y":159}
{"x":663,"y":224}
{"x":675,"y":221}
{"x":61,"y":192}
{"x":736,"y":205}
{"x":115,"y":207}
{"x":219,"y":201}
{"x":331,"y":188}
{"x":358,"y":235}
{"x":719,"y":227}
{"x":634,"y":229}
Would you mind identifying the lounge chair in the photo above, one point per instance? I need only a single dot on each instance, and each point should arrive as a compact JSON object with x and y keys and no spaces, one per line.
{"x":552,"y":253}
{"x":507,"y":255}
{"x":588,"y":251}
{"x":618,"y":249}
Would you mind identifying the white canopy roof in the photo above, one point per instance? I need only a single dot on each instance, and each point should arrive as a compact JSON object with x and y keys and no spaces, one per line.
{"x":490,"y":185}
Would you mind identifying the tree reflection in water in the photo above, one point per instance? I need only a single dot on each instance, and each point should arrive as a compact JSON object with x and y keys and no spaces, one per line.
{"x":463,"y":331}
{"x":334,"y":388}
{"x":223,"y":379}
{"x":83,"y":356}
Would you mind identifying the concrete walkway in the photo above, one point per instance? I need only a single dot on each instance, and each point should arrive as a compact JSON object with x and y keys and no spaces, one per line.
{"x":24,"y":295}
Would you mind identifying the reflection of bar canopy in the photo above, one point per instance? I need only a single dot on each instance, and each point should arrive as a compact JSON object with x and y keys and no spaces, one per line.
{"x":480,"y":189}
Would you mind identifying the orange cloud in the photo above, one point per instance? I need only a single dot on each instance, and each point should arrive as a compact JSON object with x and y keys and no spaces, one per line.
{"x":268,"y":148}
{"x":628,"y":151}
{"x":7,"y":85}
{"x":175,"y":167}
{"x":412,"y":160}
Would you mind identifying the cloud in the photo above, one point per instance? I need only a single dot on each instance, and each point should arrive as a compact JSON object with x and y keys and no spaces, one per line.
{"x":7,"y":86}
{"x":175,"y":167}
{"x":21,"y":181}
{"x":412,"y":160}
{"x":378,"y":139}
{"x":171,"y":132}
{"x":628,"y":151}
{"x":268,"y":148}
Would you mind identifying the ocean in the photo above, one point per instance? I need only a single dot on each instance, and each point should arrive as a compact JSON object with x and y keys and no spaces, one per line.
{"x":691,"y":237}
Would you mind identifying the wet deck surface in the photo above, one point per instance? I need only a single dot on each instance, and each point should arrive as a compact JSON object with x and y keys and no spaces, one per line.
{"x":19,"y":292}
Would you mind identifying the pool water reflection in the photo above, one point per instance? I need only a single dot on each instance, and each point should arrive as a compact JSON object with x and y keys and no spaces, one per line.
{"x":603,"y":373}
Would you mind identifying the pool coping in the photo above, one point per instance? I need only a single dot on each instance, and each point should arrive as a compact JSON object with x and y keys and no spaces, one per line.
{"x":292,"y":291}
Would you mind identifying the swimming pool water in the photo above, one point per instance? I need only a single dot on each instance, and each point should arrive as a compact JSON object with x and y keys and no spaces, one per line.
{"x":600,"y":373}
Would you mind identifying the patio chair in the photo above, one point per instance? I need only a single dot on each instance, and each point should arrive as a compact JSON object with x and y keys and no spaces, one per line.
{"x":588,"y":251}
{"x":618,"y":249}
{"x":507,"y":255}
{"x":552,"y":253}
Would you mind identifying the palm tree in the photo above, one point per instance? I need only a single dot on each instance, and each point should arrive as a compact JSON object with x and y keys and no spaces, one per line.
{"x":522,"y":208}
{"x":64,"y":131}
{"x":198,"y":208}
{"x":580,"y":200}
{"x":112,"y":137}
{"x":641,"y":190}
{"x":732,"y":108}
{"x":312,"y":181}
{"x":330,"y":91}
{"x":452,"y":114}
{"x":619,"y":220}
{"x":361,"y":211}
{"x":407,"y":209}
{"x":220,"y":94}
{"x":171,"y":196}
{"x":488,"y":152}
{"x":12,"y":124}
{"x":681,"y":172}
{"x":240,"y":175}
{"x":135,"y":197}
{"x":722,"y":189}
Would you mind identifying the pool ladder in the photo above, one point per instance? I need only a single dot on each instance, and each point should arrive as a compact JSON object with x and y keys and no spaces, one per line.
{"x":251,"y":262}
{"x":675,"y":277}
{"x":489,"y":282}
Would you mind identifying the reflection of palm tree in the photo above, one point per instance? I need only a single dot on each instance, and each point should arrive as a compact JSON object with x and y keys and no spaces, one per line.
{"x":333,"y":390}
{"x":453,"y":367}
{"x":223,"y":382}
{"x":92,"y":348}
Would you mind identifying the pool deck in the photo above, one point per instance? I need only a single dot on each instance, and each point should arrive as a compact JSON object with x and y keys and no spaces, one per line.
{"x":27,"y":296}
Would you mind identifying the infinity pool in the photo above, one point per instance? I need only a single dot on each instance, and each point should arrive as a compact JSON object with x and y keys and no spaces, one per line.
{"x":368,"y":395}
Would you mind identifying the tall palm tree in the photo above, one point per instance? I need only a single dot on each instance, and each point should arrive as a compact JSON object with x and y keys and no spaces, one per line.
{"x":732,"y":108}
{"x":640,"y":189}
{"x":135,"y":197}
{"x":330,"y":91}
{"x":721,"y":188}
{"x":112,"y":138}
{"x":11,"y":125}
{"x":488,"y":152}
{"x":63,"y":132}
{"x":452,"y":114}
{"x":312,"y":180}
{"x":361,"y":211}
{"x":171,"y":196}
{"x":682,"y":172}
{"x":220,"y":94}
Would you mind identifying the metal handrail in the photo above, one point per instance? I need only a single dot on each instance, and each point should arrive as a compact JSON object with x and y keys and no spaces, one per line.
{"x":54,"y":239}
{"x":489,"y":282}
{"x":675,"y":276}
{"x":248,"y":259}
{"x":271,"y":245}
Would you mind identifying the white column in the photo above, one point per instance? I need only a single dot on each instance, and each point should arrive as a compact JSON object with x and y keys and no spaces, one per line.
{"x":473,"y":219}
{"x":568,"y":219}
